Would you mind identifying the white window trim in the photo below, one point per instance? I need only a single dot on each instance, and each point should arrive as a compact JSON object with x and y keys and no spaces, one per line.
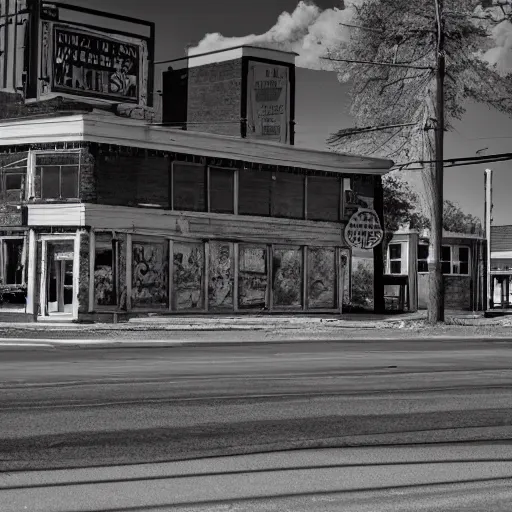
{"x":404,"y":259}
{"x":31,"y":172}
{"x":454,"y":249}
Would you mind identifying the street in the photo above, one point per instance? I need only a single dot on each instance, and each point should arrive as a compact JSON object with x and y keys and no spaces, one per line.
{"x":64,"y":407}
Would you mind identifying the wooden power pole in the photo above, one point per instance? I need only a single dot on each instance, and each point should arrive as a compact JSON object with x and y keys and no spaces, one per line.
{"x":436,"y":294}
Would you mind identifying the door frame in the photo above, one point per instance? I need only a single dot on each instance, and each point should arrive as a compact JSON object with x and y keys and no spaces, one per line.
{"x":65,"y":237}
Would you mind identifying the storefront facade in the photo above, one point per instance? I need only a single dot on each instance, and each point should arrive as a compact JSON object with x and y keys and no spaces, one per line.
{"x":114,"y":217}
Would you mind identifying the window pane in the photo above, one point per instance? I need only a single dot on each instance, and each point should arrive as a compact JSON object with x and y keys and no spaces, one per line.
{"x":464,"y":254}
{"x":50,"y":182}
{"x":221,"y":190}
{"x":287,"y":277}
{"x":188,"y":276}
{"x":69,"y":182}
{"x":221,"y":275}
{"x":150,"y":274}
{"x":253,"y":278}
{"x":321,"y":278}
{"x":422,"y":266}
{"x":464,"y":268}
{"x":254,"y":192}
{"x":189,"y":187}
{"x":422,"y":252}
{"x":395,"y":251}
{"x":446,"y":267}
{"x":288,"y":196}
{"x":13,"y":181}
{"x":396,"y":267}
{"x":323,"y":198}
{"x":446,"y":253}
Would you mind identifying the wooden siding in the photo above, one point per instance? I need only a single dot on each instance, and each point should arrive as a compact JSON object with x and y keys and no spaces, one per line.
{"x":127,"y":132}
{"x":191,"y":225}
{"x":58,"y":214}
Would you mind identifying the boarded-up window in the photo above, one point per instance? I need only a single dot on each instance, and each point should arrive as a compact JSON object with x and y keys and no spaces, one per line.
{"x":150,"y":273}
{"x":221,"y":190}
{"x":188,"y":289}
{"x":189,"y":186}
{"x":104,"y":271}
{"x":323,"y":198}
{"x":321,"y":278}
{"x":254,"y":192}
{"x":287,"y":277}
{"x":220,"y":279}
{"x":288,"y":197}
{"x":252,"y":277}
{"x":57,"y":175}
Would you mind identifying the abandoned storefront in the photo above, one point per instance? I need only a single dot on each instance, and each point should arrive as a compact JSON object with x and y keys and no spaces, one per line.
{"x":163,"y":220}
{"x":118,"y":201}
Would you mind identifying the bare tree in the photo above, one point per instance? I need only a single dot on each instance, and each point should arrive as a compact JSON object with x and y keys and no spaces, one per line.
{"x":412,"y":66}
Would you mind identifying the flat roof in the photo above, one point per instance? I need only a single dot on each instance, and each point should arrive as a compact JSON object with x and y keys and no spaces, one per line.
{"x":111,"y":129}
{"x":232,"y":53}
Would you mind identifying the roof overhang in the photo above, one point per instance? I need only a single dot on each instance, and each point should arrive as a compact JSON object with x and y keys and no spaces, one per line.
{"x":110,"y":129}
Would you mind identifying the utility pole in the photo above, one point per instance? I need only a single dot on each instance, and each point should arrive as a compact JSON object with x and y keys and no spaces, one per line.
{"x":436,"y":293}
{"x":488,"y":223}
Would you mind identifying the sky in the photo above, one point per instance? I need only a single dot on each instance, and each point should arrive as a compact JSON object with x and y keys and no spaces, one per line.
{"x":321,"y":101}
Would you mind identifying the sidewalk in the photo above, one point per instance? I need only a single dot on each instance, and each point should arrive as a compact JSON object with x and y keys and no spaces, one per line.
{"x":222,"y":330}
{"x":366,"y":321}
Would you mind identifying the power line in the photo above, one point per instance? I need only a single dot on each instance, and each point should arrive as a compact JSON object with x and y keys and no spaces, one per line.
{"x":462,"y":161}
{"x":373,"y":63}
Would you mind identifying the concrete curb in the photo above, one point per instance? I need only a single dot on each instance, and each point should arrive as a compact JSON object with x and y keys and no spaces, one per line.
{"x":53,"y":344}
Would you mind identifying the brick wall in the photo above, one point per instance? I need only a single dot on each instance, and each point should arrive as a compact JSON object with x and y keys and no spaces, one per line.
{"x":13,"y":106}
{"x":132,"y":180}
{"x":88,"y":193}
{"x":214,"y":97}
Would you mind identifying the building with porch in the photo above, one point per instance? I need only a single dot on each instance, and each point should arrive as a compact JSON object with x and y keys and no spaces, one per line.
{"x":110,"y":210}
{"x":463,"y":263}
{"x":501,"y":267}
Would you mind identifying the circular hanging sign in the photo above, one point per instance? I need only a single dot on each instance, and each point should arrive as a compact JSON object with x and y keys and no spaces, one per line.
{"x":363,"y":230}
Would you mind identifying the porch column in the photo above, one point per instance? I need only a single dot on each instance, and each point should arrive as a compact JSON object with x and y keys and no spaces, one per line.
{"x":413,"y":272}
{"x":31,"y":273}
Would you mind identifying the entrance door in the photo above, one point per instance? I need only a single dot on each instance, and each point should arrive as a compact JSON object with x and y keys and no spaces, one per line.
{"x":60,"y":279}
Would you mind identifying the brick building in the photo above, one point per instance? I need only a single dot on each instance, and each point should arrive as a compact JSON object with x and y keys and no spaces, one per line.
{"x":110,"y":210}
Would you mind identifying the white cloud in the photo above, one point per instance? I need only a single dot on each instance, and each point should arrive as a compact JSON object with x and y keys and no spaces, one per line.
{"x":501,"y":55}
{"x":308,"y":31}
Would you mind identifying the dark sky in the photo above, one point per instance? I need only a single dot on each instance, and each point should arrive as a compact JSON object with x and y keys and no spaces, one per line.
{"x":321,"y":100}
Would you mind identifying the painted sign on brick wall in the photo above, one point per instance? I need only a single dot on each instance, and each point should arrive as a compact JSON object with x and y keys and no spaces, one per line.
{"x":268,"y":102}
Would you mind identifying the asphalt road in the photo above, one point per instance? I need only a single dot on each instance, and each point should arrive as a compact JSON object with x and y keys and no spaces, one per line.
{"x":86,"y":407}
{"x":366,"y":426}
